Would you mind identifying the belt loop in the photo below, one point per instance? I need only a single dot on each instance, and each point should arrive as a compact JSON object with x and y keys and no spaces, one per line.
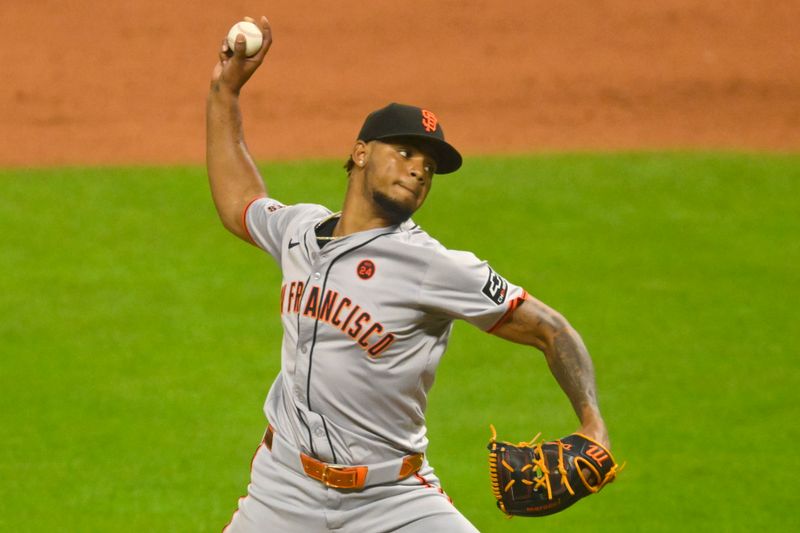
{"x":411,"y":464}
{"x":268,"y":436}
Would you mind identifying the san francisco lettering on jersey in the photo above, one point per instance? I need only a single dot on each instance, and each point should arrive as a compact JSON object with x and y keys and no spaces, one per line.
{"x":338,"y":311}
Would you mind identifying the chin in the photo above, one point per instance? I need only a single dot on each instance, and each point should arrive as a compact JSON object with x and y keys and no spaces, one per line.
{"x":394,"y":210}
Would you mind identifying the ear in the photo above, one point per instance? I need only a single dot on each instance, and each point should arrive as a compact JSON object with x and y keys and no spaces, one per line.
{"x":359,"y":154}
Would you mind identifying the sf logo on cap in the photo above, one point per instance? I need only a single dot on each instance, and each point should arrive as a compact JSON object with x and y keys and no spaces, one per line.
{"x":429,"y":120}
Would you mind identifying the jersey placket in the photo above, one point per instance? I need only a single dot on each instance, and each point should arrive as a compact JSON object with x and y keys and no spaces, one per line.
{"x":322,"y":271}
{"x":320,"y":444}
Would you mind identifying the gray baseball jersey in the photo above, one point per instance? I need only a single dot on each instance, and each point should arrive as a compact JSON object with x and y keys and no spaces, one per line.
{"x":366,"y":320}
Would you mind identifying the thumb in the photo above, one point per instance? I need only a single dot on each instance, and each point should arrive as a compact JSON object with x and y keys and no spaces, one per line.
{"x":239,"y":46}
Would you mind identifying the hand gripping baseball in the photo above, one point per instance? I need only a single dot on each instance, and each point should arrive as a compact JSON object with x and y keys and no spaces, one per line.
{"x":234,"y":67}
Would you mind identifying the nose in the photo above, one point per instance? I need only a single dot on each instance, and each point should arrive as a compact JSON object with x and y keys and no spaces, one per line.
{"x":417,"y":170}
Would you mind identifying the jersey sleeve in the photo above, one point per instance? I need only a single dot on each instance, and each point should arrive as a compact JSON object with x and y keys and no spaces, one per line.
{"x":266,"y":221}
{"x":459,"y":285}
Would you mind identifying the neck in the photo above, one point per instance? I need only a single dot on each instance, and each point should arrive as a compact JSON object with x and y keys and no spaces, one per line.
{"x":355,"y":219}
{"x":359,"y":214}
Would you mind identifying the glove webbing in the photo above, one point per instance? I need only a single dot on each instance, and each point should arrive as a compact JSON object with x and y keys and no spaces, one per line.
{"x":539,"y":462}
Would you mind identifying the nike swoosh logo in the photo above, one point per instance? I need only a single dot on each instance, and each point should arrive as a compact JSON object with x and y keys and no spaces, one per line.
{"x":292,"y":244}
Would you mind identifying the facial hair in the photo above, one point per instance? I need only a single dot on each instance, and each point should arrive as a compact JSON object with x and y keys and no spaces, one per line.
{"x":395,"y":212}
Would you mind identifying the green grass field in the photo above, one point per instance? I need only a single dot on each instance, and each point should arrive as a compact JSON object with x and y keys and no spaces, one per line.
{"x":138,"y":338}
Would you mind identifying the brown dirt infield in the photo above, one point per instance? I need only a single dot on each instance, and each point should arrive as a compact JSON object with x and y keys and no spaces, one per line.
{"x":108,"y":82}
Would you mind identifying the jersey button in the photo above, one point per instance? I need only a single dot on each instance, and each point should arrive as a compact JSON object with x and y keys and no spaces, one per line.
{"x":304,"y":348}
{"x":317,"y":275}
{"x":319,"y":432}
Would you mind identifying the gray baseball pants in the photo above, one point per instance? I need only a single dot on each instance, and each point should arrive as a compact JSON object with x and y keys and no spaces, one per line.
{"x":280,"y":499}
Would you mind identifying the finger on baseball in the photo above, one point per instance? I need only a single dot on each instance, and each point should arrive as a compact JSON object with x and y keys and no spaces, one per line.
{"x":224,"y":51}
{"x":250,"y":19}
{"x":240,"y":46}
{"x":266,"y":29}
{"x":266,"y":32}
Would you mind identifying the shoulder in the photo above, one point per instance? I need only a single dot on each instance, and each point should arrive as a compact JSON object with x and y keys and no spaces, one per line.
{"x":267,"y":221}
{"x":418,"y":246}
{"x":265,"y":207}
{"x":410,"y":235}
{"x":308,"y":212}
{"x":435,"y":250}
{"x":414,"y":246}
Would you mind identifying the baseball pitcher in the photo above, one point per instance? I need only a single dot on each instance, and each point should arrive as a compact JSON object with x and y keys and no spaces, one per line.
{"x":367,"y":303}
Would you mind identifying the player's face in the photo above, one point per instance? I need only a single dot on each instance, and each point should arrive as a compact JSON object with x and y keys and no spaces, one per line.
{"x":398,"y":176}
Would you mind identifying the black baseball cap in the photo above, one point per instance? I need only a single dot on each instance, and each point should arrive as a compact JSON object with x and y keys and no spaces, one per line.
{"x":400,"y":120}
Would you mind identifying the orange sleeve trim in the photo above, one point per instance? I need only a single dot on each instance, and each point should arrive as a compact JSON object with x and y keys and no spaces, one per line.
{"x":513,"y":304}
{"x":244,"y":217}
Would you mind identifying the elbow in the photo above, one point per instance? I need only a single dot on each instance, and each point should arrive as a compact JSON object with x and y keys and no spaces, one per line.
{"x":558,"y":328}
{"x":238,"y":228}
{"x":233,"y":221}
{"x":231,"y":225}
{"x":227,"y":215}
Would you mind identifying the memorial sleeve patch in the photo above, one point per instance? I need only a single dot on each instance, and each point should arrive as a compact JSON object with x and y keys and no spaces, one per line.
{"x":495,"y":288}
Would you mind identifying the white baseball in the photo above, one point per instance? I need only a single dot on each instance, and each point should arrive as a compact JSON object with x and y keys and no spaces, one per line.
{"x":252,"y":34}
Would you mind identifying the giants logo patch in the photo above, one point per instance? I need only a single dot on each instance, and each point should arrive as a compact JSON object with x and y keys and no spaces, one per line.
{"x":496,"y":287}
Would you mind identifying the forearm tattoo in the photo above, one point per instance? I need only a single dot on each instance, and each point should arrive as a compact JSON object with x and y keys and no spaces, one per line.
{"x":572,"y":367}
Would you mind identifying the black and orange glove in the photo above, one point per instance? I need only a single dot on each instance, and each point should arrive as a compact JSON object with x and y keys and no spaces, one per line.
{"x":530,"y":479}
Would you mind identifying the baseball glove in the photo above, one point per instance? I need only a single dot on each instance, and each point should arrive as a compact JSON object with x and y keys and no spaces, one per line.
{"x":530,"y":479}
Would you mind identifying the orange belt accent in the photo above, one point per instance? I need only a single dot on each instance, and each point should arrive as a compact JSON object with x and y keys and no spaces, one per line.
{"x":344,"y":477}
{"x":338,"y":477}
{"x":268,"y":436}
{"x":411,"y":464}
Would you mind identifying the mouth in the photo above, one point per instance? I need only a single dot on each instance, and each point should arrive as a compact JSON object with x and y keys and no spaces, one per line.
{"x":413,"y":190}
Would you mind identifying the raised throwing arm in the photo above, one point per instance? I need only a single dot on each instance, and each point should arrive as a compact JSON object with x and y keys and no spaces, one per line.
{"x":232,"y":174}
{"x":535,"y":324}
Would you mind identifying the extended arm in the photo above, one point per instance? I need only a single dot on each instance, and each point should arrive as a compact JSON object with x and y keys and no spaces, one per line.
{"x":232,"y":174}
{"x":535,"y":324}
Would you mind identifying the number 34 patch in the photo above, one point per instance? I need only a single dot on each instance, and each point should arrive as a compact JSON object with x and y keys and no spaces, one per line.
{"x":496,"y":287}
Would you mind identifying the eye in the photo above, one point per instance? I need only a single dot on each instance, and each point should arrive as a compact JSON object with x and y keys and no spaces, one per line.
{"x":405,"y":152}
